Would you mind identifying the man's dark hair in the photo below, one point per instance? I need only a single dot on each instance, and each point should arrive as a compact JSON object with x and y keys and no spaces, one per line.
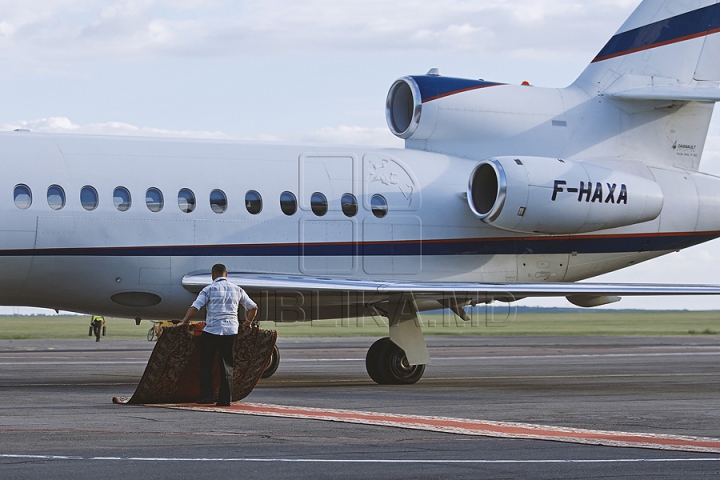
{"x":219,"y":269}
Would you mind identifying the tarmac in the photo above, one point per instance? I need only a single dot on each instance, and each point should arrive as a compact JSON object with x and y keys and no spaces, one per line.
{"x":486,"y":408}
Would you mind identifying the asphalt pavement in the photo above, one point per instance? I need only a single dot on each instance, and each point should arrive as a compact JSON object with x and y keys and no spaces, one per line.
{"x":57,"y":419}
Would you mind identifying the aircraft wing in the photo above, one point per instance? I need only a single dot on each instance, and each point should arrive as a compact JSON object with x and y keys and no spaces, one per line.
{"x":252,"y":282}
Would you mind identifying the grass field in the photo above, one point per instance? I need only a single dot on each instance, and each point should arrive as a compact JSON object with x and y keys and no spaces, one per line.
{"x":550,"y":323}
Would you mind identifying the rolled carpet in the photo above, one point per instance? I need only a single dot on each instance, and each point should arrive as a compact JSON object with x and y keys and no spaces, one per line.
{"x":172,"y":374}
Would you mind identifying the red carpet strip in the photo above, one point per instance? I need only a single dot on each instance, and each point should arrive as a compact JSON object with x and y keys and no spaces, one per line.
{"x":464,"y":426}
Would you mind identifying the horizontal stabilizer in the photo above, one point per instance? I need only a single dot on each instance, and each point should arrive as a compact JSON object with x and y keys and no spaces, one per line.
{"x":255,"y":283}
{"x":679,"y":94}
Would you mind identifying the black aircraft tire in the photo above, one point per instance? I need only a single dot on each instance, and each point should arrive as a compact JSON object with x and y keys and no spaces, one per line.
{"x":373,"y":361}
{"x":395,"y":369}
{"x":274,"y":363}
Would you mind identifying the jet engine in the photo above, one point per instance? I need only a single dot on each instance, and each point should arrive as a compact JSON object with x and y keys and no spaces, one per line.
{"x":555,"y":196}
{"x":413,"y":98}
{"x":427,"y":110}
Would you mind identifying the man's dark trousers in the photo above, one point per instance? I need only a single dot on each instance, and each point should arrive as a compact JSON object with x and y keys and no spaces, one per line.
{"x":225,"y":344}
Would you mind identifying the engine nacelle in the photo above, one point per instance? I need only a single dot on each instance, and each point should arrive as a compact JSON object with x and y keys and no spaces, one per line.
{"x":554,"y":196}
{"x":413,"y":104}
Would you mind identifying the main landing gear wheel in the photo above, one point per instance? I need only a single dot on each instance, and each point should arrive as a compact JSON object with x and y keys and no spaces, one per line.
{"x":387,"y":364}
{"x":372,"y":361}
{"x":274,"y":363}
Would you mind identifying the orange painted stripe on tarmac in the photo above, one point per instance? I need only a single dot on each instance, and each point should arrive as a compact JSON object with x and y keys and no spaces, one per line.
{"x":464,"y":426}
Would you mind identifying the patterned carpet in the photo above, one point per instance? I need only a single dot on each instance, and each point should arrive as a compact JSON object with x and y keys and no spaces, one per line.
{"x":172,"y":374}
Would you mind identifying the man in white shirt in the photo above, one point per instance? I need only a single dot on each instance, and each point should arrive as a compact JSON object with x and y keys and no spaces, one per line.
{"x":221,"y":299}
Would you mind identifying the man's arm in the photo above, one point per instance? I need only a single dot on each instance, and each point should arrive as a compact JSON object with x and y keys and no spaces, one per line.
{"x":250,"y":317}
{"x":192,"y":311}
{"x":200,"y":302}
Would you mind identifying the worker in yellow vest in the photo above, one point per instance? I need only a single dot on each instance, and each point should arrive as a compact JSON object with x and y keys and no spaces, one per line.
{"x":97,"y":324}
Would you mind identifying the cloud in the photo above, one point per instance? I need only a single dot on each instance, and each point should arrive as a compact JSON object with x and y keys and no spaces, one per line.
{"x":342,"y":135}
{"x":65,"y":125}
{"x":81,"y":30}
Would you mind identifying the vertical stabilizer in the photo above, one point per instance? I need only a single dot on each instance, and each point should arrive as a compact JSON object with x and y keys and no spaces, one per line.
{"x":672,"y":42}
{"x":661,"y":70}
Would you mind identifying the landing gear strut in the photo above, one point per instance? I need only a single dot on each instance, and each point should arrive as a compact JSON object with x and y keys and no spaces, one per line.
{"x":387,"y":364}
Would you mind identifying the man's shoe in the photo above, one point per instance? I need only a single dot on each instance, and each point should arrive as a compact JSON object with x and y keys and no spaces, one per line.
{"x":205,"y":401}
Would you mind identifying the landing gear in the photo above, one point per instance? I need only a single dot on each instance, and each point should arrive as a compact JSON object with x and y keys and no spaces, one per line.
{"x":387,"y":364}
{"x":274,"y":363}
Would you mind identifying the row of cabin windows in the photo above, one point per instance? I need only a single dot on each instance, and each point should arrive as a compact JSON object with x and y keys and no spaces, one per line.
{"x":154,"y":201}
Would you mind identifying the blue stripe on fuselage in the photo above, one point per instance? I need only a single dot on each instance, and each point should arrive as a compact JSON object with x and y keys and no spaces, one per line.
{"x":697,"y":23}
{"x":450,"y":247}
{"x":433,"y":87}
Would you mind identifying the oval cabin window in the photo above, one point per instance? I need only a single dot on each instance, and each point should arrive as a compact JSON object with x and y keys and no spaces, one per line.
{"x":318,"y":204}
{"x":122,"y":199}
{"x":253,"y":202}
{"x":186,"y":200}
{"x":288,"y":203}
{"x":349,"y":205}
{"x":56,"y":197}
{"x":88,"y":198}
{"x":23,"y":196}
{"x":218,"y":201}
{"x":379,"y":206}
{"x":154,"y":199}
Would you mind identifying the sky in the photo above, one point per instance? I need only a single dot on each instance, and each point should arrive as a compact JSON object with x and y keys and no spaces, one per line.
{"x":298,"y":71}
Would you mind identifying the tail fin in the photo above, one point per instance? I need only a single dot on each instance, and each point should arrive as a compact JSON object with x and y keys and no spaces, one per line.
{"x":663,"y":43}
{"x":663,"y":67}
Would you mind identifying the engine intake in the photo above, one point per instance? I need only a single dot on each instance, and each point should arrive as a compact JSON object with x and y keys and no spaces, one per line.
{"x":487,"y":190}
{"x":403,"y":107}
{"x":554,"y":196}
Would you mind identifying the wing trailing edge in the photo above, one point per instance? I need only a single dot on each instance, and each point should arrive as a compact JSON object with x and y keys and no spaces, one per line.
{"x":252,"y":282}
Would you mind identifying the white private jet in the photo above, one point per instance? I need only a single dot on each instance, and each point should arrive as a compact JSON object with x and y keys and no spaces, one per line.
{"x":501,"y":192}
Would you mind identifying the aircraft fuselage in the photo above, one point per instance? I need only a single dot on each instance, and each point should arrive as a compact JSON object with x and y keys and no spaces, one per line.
{"x":128,"y":260}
